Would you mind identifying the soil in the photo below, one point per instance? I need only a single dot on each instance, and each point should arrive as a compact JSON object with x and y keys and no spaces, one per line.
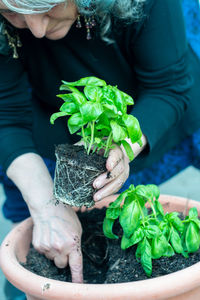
{"x":75,"y":173}
{"x":103,"y":259}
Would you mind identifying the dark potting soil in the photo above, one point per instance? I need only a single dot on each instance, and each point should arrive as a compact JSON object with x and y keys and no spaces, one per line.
{"x":79,"y":154}
{"x":103,"y":259}
{"x":74,"y":174}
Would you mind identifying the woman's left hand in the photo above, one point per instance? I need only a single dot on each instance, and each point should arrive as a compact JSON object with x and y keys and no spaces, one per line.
{"x":118,"y":171}
{"x":118,"y":168}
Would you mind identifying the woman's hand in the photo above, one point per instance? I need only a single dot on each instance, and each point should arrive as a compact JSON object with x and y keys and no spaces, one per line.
{"x":118,"y":170}
{"x":57,"y":230}
{"x":57,"y":234}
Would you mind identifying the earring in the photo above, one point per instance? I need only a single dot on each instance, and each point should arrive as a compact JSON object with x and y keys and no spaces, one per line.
{"x":89,"y":24}
{"x":13,"y":38}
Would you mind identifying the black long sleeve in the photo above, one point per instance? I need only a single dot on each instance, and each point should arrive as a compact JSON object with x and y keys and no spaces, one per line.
{"x":15,"y":111}
{"x":162,"y":70}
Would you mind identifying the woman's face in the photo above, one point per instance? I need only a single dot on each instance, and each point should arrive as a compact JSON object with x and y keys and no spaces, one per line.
{"x":53,"y":25}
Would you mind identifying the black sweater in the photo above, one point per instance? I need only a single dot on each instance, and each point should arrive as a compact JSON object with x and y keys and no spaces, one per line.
{"x":150,"y":60}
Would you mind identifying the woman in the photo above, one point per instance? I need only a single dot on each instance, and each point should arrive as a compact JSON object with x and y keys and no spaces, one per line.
{"x":139,"y":46}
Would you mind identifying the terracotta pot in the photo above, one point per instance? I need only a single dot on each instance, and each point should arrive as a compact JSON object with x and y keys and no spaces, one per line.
{"x":184,"y":284}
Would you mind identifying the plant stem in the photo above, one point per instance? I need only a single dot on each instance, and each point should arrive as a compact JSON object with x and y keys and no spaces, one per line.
{"x":152,"y":207}
{"x":92,"y":137}
{"x":83,"y":136}
{"x":108,"y":144}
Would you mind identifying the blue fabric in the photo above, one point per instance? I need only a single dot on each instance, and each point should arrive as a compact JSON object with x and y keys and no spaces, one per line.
{"x":191,"y":11}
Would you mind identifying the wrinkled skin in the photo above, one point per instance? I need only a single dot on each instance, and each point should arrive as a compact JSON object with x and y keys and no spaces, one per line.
{"x":118,"y":166}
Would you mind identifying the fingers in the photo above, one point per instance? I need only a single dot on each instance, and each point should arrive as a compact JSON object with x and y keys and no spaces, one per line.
{"x":112,"y":187}
{"x":115,"y":156}
{"x":76,"y":265}
{"x":104,"y":179}
{"x":118,"y":166}
{"x":61,"y":261}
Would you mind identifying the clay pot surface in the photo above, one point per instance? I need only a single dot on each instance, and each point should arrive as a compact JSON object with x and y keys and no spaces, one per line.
{"x":181,"y":285}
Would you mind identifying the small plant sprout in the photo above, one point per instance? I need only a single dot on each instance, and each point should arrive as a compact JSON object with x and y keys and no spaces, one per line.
{"x":98,"y":113}
{"x":155,"y":233}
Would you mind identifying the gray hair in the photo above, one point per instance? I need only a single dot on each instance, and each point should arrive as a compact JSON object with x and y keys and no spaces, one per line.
{"x":104,"y":10}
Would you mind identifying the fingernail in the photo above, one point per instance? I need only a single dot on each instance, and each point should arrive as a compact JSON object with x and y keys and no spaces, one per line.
{"x":96,"y":184}
{"x":111,"y":166}
{"x":98,"y":197}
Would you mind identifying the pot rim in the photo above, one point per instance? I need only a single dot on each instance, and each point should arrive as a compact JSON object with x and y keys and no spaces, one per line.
{"x":9,"y":264}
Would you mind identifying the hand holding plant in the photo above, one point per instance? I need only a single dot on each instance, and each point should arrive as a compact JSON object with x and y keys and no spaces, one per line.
{"x":97,"y":112}
{"x":155,"y":233}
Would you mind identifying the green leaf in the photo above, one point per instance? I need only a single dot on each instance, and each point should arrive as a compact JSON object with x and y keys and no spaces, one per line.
{"x":91,"y":80}
{"x":192,"y":238}
{"x":177,"y":223}
{"x":69,"y":107}
{"x":164,"y":228}
{"x":130,"y":198}
{"x":169,"y":252}
{"x":57,"y":115}
{"x":146,"y":260}
{"x":93,"y":93}
{"x":130,"y":218}
{"x":91,"y":111}
{"x":119,"y":100}
{"x":77,"y":97}
{"x":97,"y":140}
{"x":159,"y":208}
{"x":193,"y":212}
{"x":152,"y":231}
{"x":113,"y":213}
{"x":102,"y":126}
{"x":128,"y":150}
{"x":133,"y":127}
{"x":66,"y":87}
{"x":159,"y":246}
{"x":108,"y":95}
{"x":66,"y":97}
{"x":75,"y":122}
{"x":196,"y":221}
{"x":129,"y":100}
{"x":107,"y":228}
{"x":103,"y":119}
{"x":138,"y":251}
{"x":137,"y":236}
{"x":110,"y":111}
{"x":143,"y":191}
{"x":119,"y":200}
{"x":154,"y":190}
{"x":119,"y":133}
{"x":125,"y":242}
{"x":176,"y":241}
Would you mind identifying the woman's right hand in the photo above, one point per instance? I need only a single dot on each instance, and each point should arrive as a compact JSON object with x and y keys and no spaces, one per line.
{"x":57,"y":234}
{"x":57,"y":230}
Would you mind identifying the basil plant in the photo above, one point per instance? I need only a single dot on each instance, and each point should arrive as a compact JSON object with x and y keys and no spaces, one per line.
{"x":154,"y":232}
{"x":98,"y":113}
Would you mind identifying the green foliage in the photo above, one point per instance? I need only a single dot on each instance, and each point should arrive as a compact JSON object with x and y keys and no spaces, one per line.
{"x":98,"y":113}
{"x":155,"y":233}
